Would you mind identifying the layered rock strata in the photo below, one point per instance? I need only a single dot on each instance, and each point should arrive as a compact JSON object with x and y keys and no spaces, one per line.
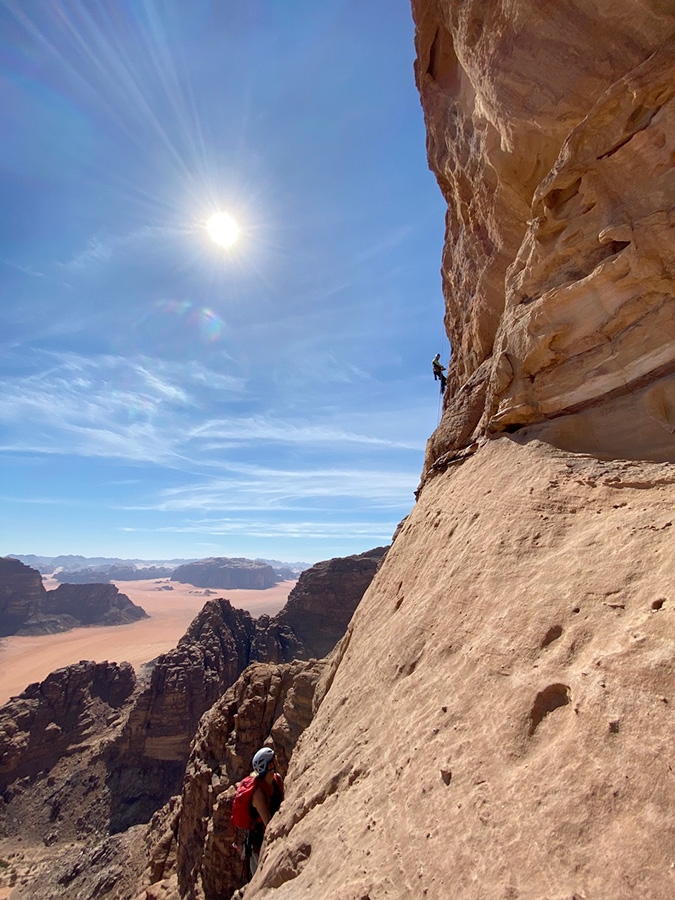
{"x":228,"y":574}
{"x":27,"y":608}
{"x":552,"y":132}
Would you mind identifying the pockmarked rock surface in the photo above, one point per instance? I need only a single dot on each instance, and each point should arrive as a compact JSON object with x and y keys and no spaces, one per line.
{"x":551,"y":130}
{"x":499,"y":716}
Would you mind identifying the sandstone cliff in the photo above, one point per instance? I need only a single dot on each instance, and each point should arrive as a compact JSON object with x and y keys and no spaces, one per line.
{"x":27,"y":608}
{"x":550,"y":130}
{"x":497,"y":723}
{"x":21,"y":594}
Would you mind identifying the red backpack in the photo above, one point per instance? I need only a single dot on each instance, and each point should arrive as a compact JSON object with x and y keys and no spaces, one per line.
{"x":242,"y":815}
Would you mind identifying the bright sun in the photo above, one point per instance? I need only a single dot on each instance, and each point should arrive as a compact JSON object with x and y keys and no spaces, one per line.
{"x":222,"y":229}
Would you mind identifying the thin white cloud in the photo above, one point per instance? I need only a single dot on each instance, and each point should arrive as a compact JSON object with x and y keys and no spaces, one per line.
{"x":375,"y":531}
{"x":273,"y":490}
{"x":98,"y":250}
{"x":255,"y":428}
{"x":27,"y":270}
{"x":95,"y":252}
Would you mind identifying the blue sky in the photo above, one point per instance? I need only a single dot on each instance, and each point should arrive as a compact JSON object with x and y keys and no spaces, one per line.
{"x":162,"y":396}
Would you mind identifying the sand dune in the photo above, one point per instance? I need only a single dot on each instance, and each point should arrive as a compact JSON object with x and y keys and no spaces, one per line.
{"x":27,"y":659}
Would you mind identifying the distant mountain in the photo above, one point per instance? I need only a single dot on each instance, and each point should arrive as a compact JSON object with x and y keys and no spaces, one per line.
{"x":279,"y":565}
{"x":48,"y":564}
{"x":75,"y":565}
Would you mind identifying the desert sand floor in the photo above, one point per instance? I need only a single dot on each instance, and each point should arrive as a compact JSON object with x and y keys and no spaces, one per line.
{"x":24,"y":660}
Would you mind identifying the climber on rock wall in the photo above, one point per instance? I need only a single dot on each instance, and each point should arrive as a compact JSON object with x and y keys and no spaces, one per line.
{"x":438,"y":370}
{"x":265,"y":801}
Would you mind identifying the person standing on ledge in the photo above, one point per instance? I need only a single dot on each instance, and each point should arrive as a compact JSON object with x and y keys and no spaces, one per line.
{"x":266,"y":799}
{"x":439,"y":369}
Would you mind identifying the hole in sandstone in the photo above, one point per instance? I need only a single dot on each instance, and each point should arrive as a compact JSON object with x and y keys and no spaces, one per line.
{"x":551,"y":635}
{"x":576,"y":609}
{"x":658,"y":604}
{"x":443,"y":64}
{"x":551,"y":698}
{"x":558,"y":197}
{"x":446,"y":775}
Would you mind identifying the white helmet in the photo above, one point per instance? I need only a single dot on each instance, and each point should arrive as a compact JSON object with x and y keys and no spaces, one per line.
{"x":262,"y":760}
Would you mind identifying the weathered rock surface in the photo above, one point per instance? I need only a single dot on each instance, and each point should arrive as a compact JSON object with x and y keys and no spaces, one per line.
{"x":51,"y":718}
{"x":27,"y":608}
{"x":221,"y":572}
{"x":499,"y":716}
{"x":21,"y":594}
{"x":323,"y":601}
{"x":552,"y":132}
{"x":192,"y":847}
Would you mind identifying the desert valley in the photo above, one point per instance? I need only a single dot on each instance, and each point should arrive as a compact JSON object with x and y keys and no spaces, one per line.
{"x":31,"y":658}
{"x":483,"y":709}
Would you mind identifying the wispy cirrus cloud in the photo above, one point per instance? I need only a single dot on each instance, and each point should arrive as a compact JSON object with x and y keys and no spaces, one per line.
{"x":267,"y":428}
{"x":372,"y":532}
{"x":106,"y":406}
{"x":26,"y":270}
{"x":251,"y":487}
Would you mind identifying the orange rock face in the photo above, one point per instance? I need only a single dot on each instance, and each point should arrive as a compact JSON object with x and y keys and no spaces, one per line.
{"x":497,"y":723}
{"x":552,"y":132}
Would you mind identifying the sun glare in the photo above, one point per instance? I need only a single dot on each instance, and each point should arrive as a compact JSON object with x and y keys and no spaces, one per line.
{"x":222,"y":229}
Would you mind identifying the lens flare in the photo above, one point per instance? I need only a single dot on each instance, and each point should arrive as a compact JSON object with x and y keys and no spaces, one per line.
{"x":222,"y":229}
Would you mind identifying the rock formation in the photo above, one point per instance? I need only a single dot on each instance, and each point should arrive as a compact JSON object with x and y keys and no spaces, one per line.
{"x":496,"y":723}
{"x":27,"y":608}
{"x":52,"y":718}
{"x":21,"y":594}
{"x":148,"y":759}
{"x":192,"y":840}
{"x":229,"y":574}
{"x":92,"y":604}
{"x":323,"y":601}
{"x":81,"y":756}
{"x":550,"y":131}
